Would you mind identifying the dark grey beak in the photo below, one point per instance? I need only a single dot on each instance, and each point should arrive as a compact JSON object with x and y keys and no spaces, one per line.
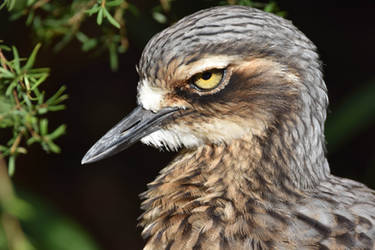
{"x":139,"y":123}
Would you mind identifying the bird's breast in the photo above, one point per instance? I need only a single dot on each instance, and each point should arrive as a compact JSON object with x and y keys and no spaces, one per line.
{"x":216,"y":197}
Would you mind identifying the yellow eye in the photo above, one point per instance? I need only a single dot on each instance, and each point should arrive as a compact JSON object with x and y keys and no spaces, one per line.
{"x":209,"y":79}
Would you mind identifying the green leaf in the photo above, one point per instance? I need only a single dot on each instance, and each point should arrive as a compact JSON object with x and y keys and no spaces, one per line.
{"x":38,"y":70}
{"x":113,"y":58}
{"x":99,"y":18}
{"x":53,"y":147}
{"x":4,"y":47}
{"x":81,"y":37}
{"x":42,"y":111}
{"x":111,"y":19}
{"x":27,"y":101}
{"x":21,"y":150}
{"x":32,"y":140}
{"x":16,"y":60}
{"x":114,"y":3}
{"x":5,"y":105}
{"x":30,"y":18}
{"x":9,"y":3}
{"x":57,"y":132}
{"x":43,"y":127}
{"x":4,"y":73}
{"x":93,"y":10}
{"x":3,"y":4}
{"x":11,"y":165}
{"x":56,"y":108}
{"x":27,"y":82}
{"x":270,"y":7}
{"x":16,"y":15}
{"x":57,"y":97}
{"x":5,"y":152}
{"x":31,"y":60}
{"x":40,"y":96}
{"x":89,"y":44}
{"x":159,"y":17}
{"x":11,"y":86}
{"x":30,"y":2}
{"x":245,"y":2}
{"x":39,"y":81}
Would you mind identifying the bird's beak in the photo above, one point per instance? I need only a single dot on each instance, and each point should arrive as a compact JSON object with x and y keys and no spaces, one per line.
{"x":139,"y":123}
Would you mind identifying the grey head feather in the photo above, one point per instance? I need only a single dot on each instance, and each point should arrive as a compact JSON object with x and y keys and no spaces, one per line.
{"x":245,"y":32}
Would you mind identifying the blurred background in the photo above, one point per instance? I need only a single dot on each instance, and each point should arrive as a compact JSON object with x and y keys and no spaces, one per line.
{"x":97,"y":206}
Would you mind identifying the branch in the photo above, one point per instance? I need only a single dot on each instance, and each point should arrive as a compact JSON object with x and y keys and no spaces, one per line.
{"x":13,"y":231}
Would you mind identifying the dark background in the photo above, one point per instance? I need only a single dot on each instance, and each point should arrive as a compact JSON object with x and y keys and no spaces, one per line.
{"x":103,"y":197}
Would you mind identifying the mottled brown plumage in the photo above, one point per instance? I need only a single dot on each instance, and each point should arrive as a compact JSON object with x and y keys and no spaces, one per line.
{"x":253,"y":174}
{"x":222,"y":204}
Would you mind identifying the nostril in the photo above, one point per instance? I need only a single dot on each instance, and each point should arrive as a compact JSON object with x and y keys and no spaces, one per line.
{"x":130,"y":127}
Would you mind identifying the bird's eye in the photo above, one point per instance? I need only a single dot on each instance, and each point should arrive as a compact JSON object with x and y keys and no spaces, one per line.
{"x":208,"y":80}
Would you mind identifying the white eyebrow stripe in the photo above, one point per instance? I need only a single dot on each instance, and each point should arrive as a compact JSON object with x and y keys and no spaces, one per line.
{"x":207,"y":63}
{"x":149,"y":97}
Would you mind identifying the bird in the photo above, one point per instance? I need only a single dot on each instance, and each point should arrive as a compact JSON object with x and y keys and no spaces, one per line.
{"x":240,"y":94}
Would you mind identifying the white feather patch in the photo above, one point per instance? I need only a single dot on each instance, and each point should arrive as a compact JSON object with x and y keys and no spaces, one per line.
{"x":171,"y":139}
{"x":178,"y":136}
{"x":207,"y":63}
{"x":149,"y":97}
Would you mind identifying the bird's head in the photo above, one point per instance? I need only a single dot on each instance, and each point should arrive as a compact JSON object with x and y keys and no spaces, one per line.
{"x":217,"y":75}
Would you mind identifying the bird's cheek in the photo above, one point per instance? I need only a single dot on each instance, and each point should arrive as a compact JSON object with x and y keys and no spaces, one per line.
{"x":213,"y":130}
{"x":172,"y":100}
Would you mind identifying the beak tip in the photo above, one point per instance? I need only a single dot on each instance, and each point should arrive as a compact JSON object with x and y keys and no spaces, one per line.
{"x":95,"y":153}
{"x":89,"y":158}
{"x":85,"y":160}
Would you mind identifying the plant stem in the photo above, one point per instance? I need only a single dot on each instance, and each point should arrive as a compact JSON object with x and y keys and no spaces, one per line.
{"x":16,"y":143}
{"x":18,"y":105}
{"x":39,"y":4}
{"x":3,"y":60}
{"x":13,"y":231}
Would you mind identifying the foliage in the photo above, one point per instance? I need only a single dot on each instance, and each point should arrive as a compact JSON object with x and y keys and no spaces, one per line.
{"x":11,"y":207}
{"x":53,"y":230}
{"x":23,"y":105}
{"x":54,"y":22}
{"x":44,"y":227}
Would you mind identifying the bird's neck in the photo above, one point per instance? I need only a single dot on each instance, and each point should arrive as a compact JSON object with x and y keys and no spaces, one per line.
{"x":257,"y":170}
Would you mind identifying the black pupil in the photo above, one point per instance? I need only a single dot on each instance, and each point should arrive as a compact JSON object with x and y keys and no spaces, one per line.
{"x":206,"y":75}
